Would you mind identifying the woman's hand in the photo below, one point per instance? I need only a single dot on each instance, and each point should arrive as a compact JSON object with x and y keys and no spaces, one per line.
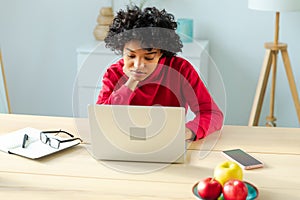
{"x":131,"y":82}
{"x":189,"y":135}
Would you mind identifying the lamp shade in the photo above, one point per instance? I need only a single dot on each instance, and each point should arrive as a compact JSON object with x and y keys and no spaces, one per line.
{"x":274,"y":5}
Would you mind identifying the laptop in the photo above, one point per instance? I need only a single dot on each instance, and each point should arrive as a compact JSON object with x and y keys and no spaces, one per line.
{"x":137,"y":133}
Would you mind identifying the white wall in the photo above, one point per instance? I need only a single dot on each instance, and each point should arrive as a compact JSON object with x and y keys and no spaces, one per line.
{"x":39,"y":40}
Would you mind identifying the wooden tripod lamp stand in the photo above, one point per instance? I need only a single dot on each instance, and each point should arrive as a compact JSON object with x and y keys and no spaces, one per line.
{"x":270,"y":62}
{"x":4,"y":83}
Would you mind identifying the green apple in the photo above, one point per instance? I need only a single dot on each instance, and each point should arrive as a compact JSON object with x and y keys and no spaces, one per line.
{"x":228,"y":170}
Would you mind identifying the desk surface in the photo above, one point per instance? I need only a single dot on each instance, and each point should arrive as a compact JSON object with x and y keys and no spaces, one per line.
{"x":74,"y":174}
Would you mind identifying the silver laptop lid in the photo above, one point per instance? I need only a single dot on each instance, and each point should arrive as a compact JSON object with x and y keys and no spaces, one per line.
{"x":137,"y":133}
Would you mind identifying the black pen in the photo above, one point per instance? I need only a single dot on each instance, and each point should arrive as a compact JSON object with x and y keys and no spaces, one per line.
{"x":25,"y":138}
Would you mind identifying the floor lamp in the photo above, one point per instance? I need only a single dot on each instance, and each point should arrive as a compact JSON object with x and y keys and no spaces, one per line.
{"x":270,"y":62}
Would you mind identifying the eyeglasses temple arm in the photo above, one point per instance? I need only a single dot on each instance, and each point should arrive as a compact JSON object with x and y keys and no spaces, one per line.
{"x":69,"y":140}
{"x":59,"y":131}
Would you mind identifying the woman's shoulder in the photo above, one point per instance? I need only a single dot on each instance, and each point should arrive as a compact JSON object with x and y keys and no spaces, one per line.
{"x":118,"y":64}
{"x":115,"y":69}
{"x":178,"y":63}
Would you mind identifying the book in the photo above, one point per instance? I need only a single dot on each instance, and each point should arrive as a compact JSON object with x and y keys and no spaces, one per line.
{"x":13,"y":143}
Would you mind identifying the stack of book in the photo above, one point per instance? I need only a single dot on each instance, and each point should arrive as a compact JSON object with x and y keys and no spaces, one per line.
{"x":104,"y":19}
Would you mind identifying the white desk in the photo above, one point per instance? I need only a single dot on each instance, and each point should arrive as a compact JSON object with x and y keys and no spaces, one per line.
{"x":74,"y":174}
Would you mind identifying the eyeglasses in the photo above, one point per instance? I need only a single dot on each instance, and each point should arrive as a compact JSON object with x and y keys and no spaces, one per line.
{"x":54,"y":142}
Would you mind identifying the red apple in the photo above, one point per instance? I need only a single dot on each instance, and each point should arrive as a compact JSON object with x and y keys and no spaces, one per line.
{"x":235,"y":190}
{"x":209,"y":188}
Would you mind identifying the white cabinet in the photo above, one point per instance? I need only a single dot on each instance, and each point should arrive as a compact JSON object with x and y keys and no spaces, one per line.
{"x":93,"y":60}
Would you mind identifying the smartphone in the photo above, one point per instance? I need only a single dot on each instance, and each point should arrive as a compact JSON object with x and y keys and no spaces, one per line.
{"x":245,"y":160}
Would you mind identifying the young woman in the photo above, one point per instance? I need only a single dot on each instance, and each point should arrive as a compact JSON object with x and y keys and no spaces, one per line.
{"x":150,"y":73}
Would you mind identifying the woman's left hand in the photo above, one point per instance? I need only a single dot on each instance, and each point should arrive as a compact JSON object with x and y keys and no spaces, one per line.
{"x":189,"y":135}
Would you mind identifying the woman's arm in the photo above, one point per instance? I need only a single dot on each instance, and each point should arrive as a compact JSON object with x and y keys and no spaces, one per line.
{"x":114,"y":89}
{"x":209,"y":118}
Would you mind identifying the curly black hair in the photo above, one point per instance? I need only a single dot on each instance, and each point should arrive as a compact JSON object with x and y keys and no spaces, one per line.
{"x":152,"y":27}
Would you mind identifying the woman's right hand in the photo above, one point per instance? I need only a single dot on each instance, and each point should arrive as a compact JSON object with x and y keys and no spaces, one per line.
{"x":131,"y":82}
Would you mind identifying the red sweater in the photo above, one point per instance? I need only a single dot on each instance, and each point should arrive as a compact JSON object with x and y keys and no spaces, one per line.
{"x":174,"y":82}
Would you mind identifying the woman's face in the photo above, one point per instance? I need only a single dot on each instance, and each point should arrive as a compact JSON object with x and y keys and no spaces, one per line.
{"x":139,"y":63}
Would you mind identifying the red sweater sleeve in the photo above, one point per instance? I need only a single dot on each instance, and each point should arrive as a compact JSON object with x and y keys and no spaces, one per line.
{"x":208,"y":117}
